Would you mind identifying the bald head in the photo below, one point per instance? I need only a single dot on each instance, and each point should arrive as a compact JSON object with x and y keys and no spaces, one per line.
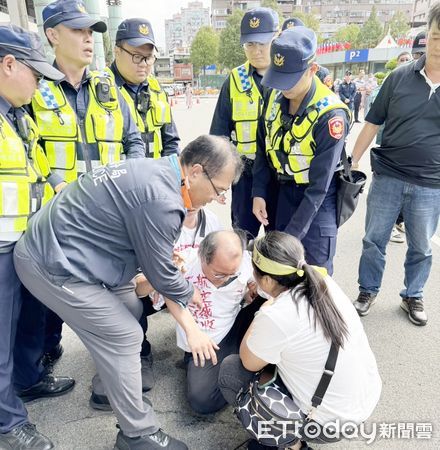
{"x":221,"y":245}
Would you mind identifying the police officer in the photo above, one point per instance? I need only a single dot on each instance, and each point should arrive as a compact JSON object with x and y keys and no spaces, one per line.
{"x":83,"y":120}
{"x":26,"y":184}
{"x":133,"y":72}
{"x":305,"y":125}
{"x":81,"y":252}
{"x":347,"y":90}
{"x":239,"y":107}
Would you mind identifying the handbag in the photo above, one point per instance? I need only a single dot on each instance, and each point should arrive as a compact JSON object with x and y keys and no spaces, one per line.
{"x":271,"y":415}
{"x":350,"y":185}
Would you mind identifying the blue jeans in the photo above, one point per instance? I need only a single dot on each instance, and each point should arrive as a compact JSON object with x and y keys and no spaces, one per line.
{"x":420,"y":208}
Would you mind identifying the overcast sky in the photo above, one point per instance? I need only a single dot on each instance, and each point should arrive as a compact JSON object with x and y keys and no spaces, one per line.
{"x":156,"y":11}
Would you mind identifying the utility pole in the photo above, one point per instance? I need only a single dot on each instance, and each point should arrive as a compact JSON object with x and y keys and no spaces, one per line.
{"x":114,"y":18}
{"x":92,"y":7}
{"x":18,"y":13}
{"x":39,"y":6}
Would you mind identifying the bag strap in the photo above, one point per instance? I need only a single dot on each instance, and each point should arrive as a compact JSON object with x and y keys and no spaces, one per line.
{"x":330,"y":365}
{"x":201,"y":225}
{"x":346,"y":167}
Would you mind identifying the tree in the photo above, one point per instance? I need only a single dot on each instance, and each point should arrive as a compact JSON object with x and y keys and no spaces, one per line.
{"x":273,"y":4}
{"x":204,"y":48}
{"x":310,"y":20}
{"x":231,"y":53}
{"x":349,"y":33}
{"x":371,"y":32}
{"x":399,"y":25}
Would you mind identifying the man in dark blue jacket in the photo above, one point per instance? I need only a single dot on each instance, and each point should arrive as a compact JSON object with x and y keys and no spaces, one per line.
{"x":347,"y":90}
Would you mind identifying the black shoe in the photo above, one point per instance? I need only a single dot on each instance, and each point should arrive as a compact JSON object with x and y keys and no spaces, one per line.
{"x":49,"y":386}
{"x":304,"y":446}
{"x":101,"y":403}
{"x":155,"y":441}
{"x":364,"y":302}
{"x":25,"y":437}
{"x":147,"y":372}
{"x":416,"y":311}
{"x":50,"y":358}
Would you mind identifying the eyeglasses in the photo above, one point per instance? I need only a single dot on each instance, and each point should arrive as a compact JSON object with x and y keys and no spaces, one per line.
{"x":255,"y":45}
{"x":137,"y":58}
{"x":217,"y":192}
{"x":38,"y":76}
{"x":228,"y":277}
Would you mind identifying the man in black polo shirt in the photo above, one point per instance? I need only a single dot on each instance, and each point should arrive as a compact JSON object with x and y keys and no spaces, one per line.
{"x":406,"y":174}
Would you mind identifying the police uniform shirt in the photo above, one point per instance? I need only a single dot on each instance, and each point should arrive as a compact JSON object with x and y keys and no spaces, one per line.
{"x":168,"y":131}
{"x":222,"y":123}
{"x":322,"y":168}
{"x":111,"y":221}
{"x":410,"y":109}
{"x":78,"y":98}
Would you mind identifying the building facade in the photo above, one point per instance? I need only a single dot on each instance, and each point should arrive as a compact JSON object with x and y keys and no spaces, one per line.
{"x":356,"y":11}
{"x":182,"y":28}
{"x":420,"y":12}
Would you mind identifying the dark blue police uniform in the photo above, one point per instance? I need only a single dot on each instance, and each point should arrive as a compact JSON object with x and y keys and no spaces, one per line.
{"x":258,"y":26}
{"x":305,"y":210}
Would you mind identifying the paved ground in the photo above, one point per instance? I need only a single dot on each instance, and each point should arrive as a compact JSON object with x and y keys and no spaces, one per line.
{"x":408,"y":357}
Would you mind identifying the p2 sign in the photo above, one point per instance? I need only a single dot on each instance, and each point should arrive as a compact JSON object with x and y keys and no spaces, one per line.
{"x":356,"y":55}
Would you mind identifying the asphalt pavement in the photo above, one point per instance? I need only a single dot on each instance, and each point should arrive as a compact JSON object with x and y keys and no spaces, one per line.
{"x":407,"y":416}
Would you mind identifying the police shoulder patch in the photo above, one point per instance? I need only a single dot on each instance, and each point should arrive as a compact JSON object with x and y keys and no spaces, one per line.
{"x":336,"y":127}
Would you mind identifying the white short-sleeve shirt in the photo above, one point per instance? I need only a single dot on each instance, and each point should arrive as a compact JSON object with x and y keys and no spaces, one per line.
{"x":284,"y":334}
{"x":220,"y":305}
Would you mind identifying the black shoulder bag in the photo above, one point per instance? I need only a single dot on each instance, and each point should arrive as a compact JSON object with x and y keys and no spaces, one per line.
{"x":350,"y":185}
{"x":270,"y":414}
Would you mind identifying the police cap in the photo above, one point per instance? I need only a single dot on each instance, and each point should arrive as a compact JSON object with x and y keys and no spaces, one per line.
{"x":72,"y":14}
{"x":258,"y":25}
{"x":292,"y":22}
{"x":136,"y":32}
{"x":290,"y":55}
{"x":26,"y":46}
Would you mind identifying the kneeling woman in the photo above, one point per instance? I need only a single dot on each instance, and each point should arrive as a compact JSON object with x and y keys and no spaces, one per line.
{"x":294,"y":330}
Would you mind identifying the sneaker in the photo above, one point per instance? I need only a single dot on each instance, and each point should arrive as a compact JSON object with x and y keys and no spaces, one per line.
{"x":416,"y":311}
{"x":101,"y":402}
{"x":147,"y":372}
{"x":364,"y":302}
{"x":396,"y":236}
{"x":155,"y":441}
{"x":25,"y":437}
{"x":401,"y":227}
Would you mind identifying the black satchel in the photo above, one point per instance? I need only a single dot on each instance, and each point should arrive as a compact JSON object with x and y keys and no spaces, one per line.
{"x":270,"y":414}
{"x":350,"y":185}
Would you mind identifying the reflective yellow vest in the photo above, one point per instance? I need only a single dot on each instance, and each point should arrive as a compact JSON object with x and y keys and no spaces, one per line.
{"x":291,"y":152}
{"x":246,"y":102}
{"x":157,"y":115}
{"x":23,"y":168}
{"x":60,"y":130}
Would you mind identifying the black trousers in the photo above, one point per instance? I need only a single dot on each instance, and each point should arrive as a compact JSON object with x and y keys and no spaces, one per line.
{"x":357,"y":105}
{"x":203,"y":391}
